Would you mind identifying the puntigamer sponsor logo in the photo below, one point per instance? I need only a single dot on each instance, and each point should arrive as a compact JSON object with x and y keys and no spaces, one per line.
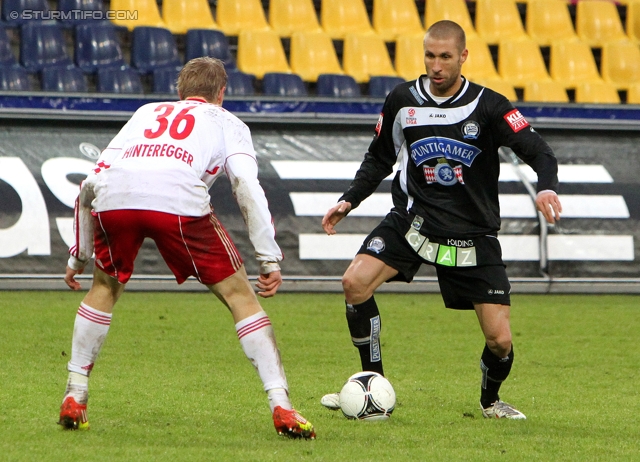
{"x":434,"y":147}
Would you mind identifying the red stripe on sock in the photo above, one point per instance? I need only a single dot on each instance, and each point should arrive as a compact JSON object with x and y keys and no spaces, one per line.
{"x":254,"y":326}
{"x":94,"y":317}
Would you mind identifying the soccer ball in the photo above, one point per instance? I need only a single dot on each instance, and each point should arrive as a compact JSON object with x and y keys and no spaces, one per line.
{"x":367,"y":396}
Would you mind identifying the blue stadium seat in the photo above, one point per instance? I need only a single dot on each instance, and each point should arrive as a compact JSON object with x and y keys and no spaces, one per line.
{"x":381,"y":85}
{"x":97,"y":46}
{"x":42,"y":45}
{"x":73,"y":11}
{"x":337,"y":85}
{"x":153,"y":48}
{"x":63,"y":79}
{"x":6,"y":54}
{"x":125,"y":80}
{"x":281,"y":84}
{"x":164,"y":80}
{"x":208,"y":42}
{"x":14,"y":79}
{"x":14,"y":12}
{"x":240,"y":84}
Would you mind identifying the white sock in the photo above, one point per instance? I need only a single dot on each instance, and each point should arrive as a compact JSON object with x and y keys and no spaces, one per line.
{"x":259,"y":344}
{"x":78,"y":387}
{"x":89,"y":331}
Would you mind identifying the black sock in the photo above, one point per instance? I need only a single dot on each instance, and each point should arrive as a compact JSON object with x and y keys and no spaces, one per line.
{"x":364,"y":325}
{"x":494,"y":371}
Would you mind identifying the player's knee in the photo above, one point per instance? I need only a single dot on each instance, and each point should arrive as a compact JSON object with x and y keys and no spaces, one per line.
{"x":500,"y":344}
{"x":354,"y":291}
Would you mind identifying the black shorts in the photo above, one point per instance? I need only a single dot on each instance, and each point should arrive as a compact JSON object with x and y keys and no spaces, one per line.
{"x":469,"y":270}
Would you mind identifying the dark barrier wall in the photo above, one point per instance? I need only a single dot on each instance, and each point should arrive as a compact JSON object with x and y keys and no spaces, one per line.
{"x":303,"y":170}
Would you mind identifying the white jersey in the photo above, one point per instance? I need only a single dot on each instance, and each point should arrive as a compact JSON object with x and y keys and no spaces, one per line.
{"x":166,"y":158}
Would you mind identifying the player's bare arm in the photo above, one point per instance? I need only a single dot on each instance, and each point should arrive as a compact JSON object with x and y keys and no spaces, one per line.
{"x":549,"y":204}
{"x":334,"y":215}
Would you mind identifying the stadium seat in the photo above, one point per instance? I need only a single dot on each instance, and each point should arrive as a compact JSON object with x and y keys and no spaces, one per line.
{"x":12,"y":11}
{"x":153,"y":48}
{"x":164,"y":80}
{"x":498,"y":20}
{"x":81,"y":12}
{"x":136,"y":13}
{"x":479,"y":63}
{"x":620,"y":63}
{"x":572,"y":62}
{"x":365,"y":55}
{"x":453,"y":10}
{"x":7,"y":58}
{"x":598,"y":22}
{"x":240,"y":84}
{"x":289,"y":16}
{"x":500,"y":86}
{"x":279,"y":84}
{"x":545,"y":92}
{"x":381,"y":85}
{"x":597,"y":92}
{"x":312,"y":54}
{"x":42,"y":45}
{"x":96,"y":46}
{"x":14,"y":79}
{"x":235,"y":16}
{"x":260,"y":52}
{"x":62,"y":79}
{"x":633,"y":94}
{"x":125,"y":81}
{"x":340,"y":17}
{"x":182,"y":15}
{"x":207,"y":42}
{"x":633,"y":20}
{"x":338,"y":85}
{"x":548,"y":21}
{"x":409,"y":56}
{"x":394,"y":17}
{"x":520,"y":61}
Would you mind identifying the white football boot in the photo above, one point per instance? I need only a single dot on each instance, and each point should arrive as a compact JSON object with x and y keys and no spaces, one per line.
{"x":331,"y":401}
{"x":501,"y":410}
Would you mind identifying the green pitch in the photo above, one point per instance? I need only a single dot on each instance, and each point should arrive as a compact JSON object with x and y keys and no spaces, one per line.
{"x":172,"y":383}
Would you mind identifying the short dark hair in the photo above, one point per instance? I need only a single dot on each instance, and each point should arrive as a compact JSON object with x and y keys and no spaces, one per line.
{"x":446,"y":29}
{"x":202,"y":77}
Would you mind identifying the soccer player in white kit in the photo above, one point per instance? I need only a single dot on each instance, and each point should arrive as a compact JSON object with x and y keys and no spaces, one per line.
{"x":152,"y":181}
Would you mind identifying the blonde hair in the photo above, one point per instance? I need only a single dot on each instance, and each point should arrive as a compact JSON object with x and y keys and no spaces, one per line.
{"x":202,"y":77}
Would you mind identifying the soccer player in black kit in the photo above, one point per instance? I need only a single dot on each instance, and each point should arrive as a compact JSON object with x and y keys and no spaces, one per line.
{"x":445,"y":133}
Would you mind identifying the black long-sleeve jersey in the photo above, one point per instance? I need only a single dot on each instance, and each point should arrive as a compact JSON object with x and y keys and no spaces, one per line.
{"x":448,"y":157}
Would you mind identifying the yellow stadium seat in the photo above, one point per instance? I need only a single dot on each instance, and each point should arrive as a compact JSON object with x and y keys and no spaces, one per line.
{"x":148,"y":13}
{"x":548,"y":21}
{"x":289,"y":16}
{"x":597,"y":92}
{"x":498,"y":20}
{"x":500,"y":86}
{"x":453,"y":10}
{"x":312,"y":54}
{"x":341,"y":17}
{"x":235,"y":16}
{"x":479,"y":63}
{"x":572,"y":62}
{"x":633,"y":94}
{"x":545,"y":92}
{"x":598,"y":22}
{"x":520,"y":61}
{"x":620,"y":63}
{"x":365,"y":55}
{"x":410,"y":56}
{"x":260,"y":52}
{"x":394,"y":17}
{"x":633,"y":20}
{"x":182,"y":15}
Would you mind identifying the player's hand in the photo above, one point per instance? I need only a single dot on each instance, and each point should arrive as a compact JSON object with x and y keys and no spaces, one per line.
{"x":549,"y":204}
{"x":70,"y":278}
{"x":334,"y":215}
{"x":268,"y":284}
